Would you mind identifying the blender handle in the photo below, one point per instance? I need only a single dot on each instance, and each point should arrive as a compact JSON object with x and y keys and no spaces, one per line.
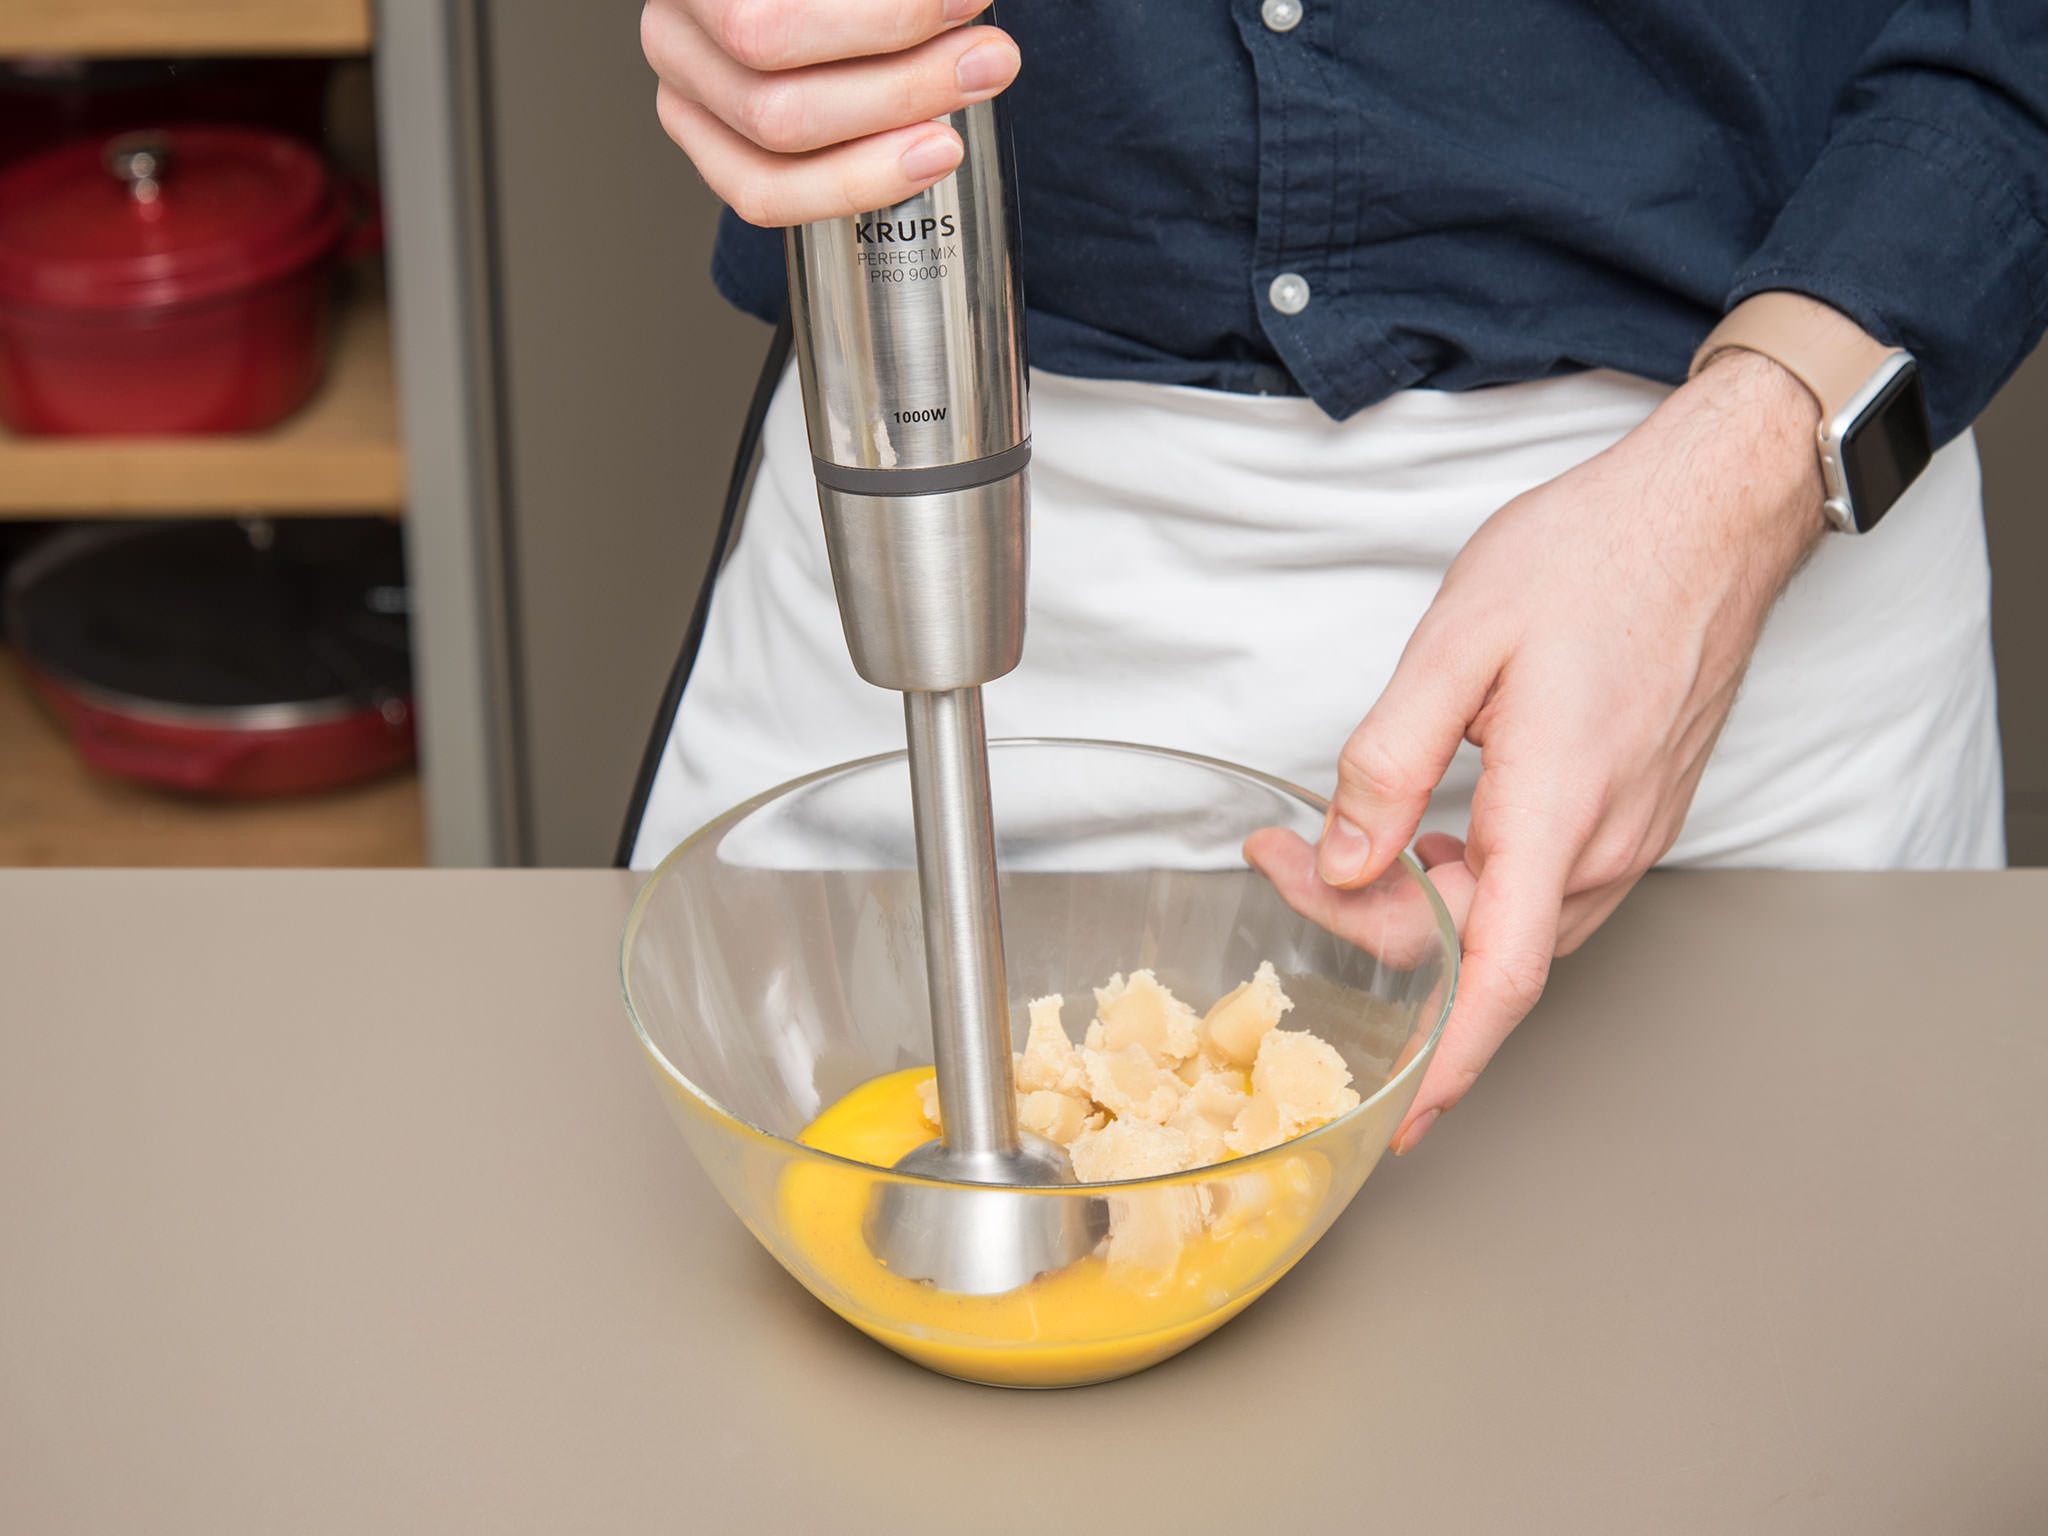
{"x":909,"y":334}
{"x":909,"y":326}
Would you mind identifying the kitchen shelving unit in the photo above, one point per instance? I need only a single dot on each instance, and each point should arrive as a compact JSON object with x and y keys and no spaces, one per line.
{"x":339,"y":455}
{"x":54,"y":812}
{"x":163,"y":28}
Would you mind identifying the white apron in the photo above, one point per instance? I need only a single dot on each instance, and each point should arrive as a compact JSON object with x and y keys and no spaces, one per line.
{"x":1236,"y":575}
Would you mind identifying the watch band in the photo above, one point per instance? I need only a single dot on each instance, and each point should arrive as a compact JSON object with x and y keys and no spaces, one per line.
{"x":1823,"y":348}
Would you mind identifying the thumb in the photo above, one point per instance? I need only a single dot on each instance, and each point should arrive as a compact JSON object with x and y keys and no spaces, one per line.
{"x":1396,"y":758}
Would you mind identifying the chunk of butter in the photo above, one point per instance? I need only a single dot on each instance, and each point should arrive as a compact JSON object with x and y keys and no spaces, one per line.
{"x":1206,"y":1113}
{"x":1298,"y":1083}
{"x":1129,"y":1149}
{"x":1140,"y":1012}
{"x":1050,"y":1062}
{"x":1058,"y":1117}
{"x":1131,"y":1084}
{"x":1232,"y":1030}
{"x":1156,"y":1090}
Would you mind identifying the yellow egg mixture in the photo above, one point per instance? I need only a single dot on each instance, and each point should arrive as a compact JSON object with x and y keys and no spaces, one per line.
{"x":1090,"y":1321}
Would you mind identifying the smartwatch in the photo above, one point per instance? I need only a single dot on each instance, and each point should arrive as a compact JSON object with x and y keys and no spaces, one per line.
{"x":1874,"y":434}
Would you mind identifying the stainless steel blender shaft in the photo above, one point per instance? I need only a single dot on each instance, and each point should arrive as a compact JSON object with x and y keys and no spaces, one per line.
{"x":910,"y":348}
{"x":956,"y":869}
{"x":994,"y":1240}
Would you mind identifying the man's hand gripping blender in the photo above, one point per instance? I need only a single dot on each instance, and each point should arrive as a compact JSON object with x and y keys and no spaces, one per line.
{"x":909,"y":341}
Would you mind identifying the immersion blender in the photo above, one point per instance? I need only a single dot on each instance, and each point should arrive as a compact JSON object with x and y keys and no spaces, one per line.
{"x":909,"y":343}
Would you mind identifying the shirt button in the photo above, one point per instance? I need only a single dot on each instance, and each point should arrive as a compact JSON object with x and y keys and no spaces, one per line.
{"x":1281,"y":15}
{"x":1288,"y":293}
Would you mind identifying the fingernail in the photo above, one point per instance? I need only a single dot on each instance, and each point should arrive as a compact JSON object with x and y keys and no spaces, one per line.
{"x":985,"y":66}
{"x":960,"y":10}
{"x":1416,"y":1132}
{"x":1344,"y":852}
{"x":930,"y":157}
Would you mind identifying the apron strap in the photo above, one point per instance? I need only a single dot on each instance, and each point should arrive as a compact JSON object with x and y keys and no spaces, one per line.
{"x":745,"y":459}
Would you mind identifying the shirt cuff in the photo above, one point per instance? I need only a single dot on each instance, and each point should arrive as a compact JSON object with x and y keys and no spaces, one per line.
{"x":747,"y":268}
{"x":1918,"y":237}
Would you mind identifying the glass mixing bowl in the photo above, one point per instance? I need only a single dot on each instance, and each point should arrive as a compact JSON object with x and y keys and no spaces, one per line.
{"x":774,"y":964}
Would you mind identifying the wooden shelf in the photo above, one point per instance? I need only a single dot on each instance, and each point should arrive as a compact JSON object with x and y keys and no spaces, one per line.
{"x":151,"y":28}
{"x":339,"y":454}
{"x":56,"y":811}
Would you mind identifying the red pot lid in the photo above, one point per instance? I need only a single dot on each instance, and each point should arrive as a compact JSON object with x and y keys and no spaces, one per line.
{"x":162,"y":217}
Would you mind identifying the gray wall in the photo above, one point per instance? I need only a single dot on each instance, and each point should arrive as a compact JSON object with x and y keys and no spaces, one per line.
{"x":624,"y":383}
{"x":2013,"y":436}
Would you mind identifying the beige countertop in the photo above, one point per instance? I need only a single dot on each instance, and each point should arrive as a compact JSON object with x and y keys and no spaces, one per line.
{"x":342,"y":1202}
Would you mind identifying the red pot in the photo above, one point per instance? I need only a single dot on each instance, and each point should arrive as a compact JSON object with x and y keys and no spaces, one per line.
{"x":236,"y":754}
{"x":218,"y":658}
{"x":162,"y":283}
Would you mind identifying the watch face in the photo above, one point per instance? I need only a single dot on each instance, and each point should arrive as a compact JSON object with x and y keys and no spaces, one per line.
{"x":1885,"y":449}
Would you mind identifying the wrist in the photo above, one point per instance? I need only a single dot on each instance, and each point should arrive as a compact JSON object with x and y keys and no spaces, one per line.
{"x":1769,"y":423}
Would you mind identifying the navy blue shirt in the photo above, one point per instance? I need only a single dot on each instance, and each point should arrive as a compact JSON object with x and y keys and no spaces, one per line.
{"x":1476,"y":192}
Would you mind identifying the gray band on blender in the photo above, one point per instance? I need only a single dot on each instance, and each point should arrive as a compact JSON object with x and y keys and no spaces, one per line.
{"x":931,"y":481}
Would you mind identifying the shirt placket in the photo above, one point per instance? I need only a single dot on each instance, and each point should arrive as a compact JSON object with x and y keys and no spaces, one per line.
{"x":1309,"y":200}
